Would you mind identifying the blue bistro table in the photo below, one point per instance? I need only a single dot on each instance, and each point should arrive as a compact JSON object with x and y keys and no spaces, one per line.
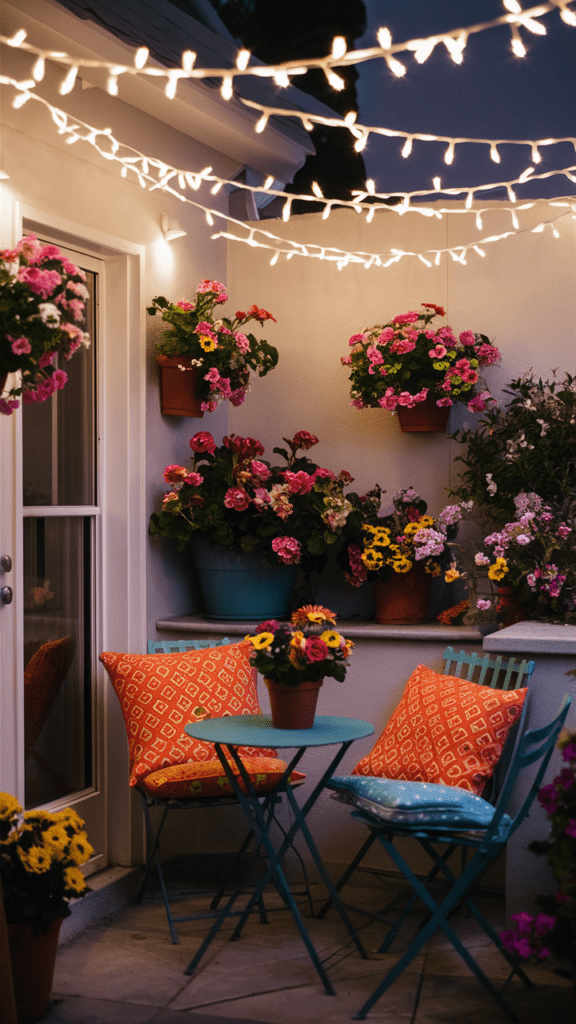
{"x":257,"y":731}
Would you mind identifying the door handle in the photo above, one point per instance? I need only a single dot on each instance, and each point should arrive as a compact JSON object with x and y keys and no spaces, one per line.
{"x":6,"y":595}
{"x":6,"y":563}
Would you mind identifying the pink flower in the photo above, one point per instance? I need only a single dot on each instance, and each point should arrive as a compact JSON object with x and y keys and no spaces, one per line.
{"x":299,"y":483}
{"x":8,"y":405}
{"x":20,"y":346}
{"x":315,"y":649}
{"x":205,"y":328}
{"x":236,"y":498}
{"x":563,"y":531}
{"x":237,"y":396}
{"x":483,"y":605}
{"x":402,"y":346}
{"x":173,"y":474}
{"x":487,"y":354}
{"x":467,"y":338}
{"x":571,"y":830}
{"x":261,"y":499}
{"x":374,"y":354}
{"x":469,"y":376}
{"x":480,"y":401}
{"x":208,"y":406}
{"x":203,"y":442}
{"x":358,"y":403}
{"x":324,"y":474}
{"x":184,"y":304}
{"x":46,"y":359}
{"x":288,"y":549}
{"x":304,"y":440}
{"x":388,"y":400}
{"x":242,"y":342}
{"x":437,"y":352}
{"x":41,"y":282}
{"x":59,"y":378}
{"x":170,"y":496}
{"x":408,"y":400}
{"x":259,"y":470}
{"x":385,"y":336}
{"x":406,"y":318}
{"x":356,"y":339}
{"x":193,"y":479}
{"x":346,"y":360}
{"x":444,"y":401}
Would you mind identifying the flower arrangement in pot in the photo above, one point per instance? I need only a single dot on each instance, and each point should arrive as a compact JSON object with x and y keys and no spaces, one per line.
{"x":287,"y":514}
{"x":401,"y":549}
{"x":215,"y":347}
{"x":407,"y":362}
{"x":42,"y":313}
{"x":532,"y":561}
{"x":40,"y":858}
{"x":299,"y":655}
{"x":552,"y":933}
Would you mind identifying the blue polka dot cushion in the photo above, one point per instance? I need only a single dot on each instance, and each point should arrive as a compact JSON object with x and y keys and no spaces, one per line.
{"x":412,"y":804}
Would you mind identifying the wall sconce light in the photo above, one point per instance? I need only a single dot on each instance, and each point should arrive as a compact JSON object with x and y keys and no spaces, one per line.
{"x":171,"y":228}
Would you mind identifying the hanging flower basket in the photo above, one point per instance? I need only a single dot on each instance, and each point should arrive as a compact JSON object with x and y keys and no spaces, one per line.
{"x":293,"y":707}
{"x":423,"y":417}
{"x":178,"y":386}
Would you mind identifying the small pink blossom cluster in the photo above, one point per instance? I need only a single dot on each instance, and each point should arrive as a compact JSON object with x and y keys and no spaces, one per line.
{"x":405,"y":362}
{"x":43,"y":296}
{"x":525,"y":939}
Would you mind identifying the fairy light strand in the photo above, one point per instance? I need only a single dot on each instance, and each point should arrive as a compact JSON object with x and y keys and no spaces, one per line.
{"x":454,"y":41}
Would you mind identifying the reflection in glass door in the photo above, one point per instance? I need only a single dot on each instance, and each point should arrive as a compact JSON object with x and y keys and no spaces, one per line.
{"x":60,"y":514}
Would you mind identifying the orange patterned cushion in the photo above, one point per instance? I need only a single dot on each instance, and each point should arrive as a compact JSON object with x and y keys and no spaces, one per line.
{"x":206,"y":778}
{"x":160,"y":693}
{"x":444,"y":730}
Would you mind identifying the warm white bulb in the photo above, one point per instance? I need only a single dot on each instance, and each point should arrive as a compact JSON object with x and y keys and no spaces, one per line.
{"x":242,"y":60}
{"x":188,"y":58}
{"x":141,"y":56}
{"x":407,"y":148}
{"x":568,"y":16}
{"x":396,"y":67}
{"x":360,"y":143}
{"x":261,"y":124}
{"x":449,"y":154}
{"x":39,"y":69}
{"x":317,"y":190}
{"x":338,"y":47}
{"x":68,"y":84}
{"x":335,"y":81}
{"x":226,"y":87}
{"x":513,"y":6}
{"x":534,"y":26}
{"x":384,"y":38}
{"x":17,"y":39}
{"x":437,"y":183}
{"x":370,"y":186}
{"x":494,"y":154}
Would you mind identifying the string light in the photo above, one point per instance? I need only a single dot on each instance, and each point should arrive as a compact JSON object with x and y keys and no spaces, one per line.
{"x":455,"y":42}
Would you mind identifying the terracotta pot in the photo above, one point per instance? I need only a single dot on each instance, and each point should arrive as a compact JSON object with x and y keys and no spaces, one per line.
{"x":403,"y":598}
{"x":33,"y":958}
{"x":423,"y":417}
{"x":293,"y":707}
{"x":178,"y":387}
{"x":509,"y":608}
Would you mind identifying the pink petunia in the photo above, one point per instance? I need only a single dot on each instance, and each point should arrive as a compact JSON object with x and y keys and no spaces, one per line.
{"x":288,"y":549}
{"x":59,"y":378}
{"x":299,"y":483}
{"x":203,"y":442}
{"x":20,"y":346}
{"x":437,"y":352}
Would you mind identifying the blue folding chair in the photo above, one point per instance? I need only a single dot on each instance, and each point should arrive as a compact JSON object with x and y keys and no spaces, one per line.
{"x":192,"y":803}
{"x":432,"y":814}
{"x":485,"y":670}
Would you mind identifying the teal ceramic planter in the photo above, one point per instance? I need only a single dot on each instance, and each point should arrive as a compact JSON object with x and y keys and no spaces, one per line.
{"x":239,"y":587}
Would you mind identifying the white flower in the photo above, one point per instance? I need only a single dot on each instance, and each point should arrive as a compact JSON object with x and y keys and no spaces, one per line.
{"x":49,"y":314}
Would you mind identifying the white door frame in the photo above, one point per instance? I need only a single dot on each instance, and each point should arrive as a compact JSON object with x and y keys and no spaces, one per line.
{"x":121,"y":617}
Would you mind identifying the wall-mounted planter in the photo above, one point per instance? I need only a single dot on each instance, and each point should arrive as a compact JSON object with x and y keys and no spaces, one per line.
{"x":423,"y":417}
{"x":178,"y":387}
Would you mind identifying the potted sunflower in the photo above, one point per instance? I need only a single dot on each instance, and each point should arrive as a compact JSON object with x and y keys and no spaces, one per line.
{"x":204,"y":358}
{"x":295,"y":657}
{"x":40,"y":858}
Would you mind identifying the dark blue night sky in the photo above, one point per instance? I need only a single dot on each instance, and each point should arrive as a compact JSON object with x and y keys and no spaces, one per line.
{"x":492,"y":94}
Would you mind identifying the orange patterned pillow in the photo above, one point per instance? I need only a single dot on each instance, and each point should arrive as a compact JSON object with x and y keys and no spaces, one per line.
{"x":206,"y":778}
{"x":445,"y":730}
{"x":160,"y":693}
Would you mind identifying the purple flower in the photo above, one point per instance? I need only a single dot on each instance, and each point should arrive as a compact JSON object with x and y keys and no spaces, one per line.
{"x":571,"y":830}
{"x":524,"y":923}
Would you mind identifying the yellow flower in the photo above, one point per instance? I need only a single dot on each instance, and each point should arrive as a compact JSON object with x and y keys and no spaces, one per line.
{"x":207,"y":343}
{"x":424,"y":522}
{"x":498,"y":570}
{"x":451,"y":575}
{"x":74,"y":880}
{"x":80,"y":849}
{"x":381,"y":538}
{"x":57,"y":838}
{"x":262,"y":640}
{"x":433,"y":569}
{"x":331,"y":638}
{"x":70,"y":818}
{"x":36,"y":860}
{"x":298,"y":639}
{"x":8,"y":806}
{"x":372,"y":559}
{"x":402,"y":564}
{"x":411,"y":529}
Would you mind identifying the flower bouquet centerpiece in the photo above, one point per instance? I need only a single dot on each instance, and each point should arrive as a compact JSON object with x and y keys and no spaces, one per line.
{"x":298,"y":655}
{"x":215,"y":348}
{"x":241,"y":504}
{"x":532,"y":562}
{"x":553,"y":931}
{"x":407,"y":362}
{"x":42,"y":302}
{"x":40,"y":858}
{"x":401,"y":549}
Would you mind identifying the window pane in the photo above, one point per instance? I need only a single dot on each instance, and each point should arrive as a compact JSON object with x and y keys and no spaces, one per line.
{"x":57,"y":657}
{"x":59,"y":434}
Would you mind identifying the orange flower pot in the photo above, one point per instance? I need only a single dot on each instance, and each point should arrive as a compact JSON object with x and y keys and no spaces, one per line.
{"x":293,"y":707}
{"x":403,"y":599}
{"x":33,"y":959}
{"x":178,"y":387}
{"x":423,"y":417}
